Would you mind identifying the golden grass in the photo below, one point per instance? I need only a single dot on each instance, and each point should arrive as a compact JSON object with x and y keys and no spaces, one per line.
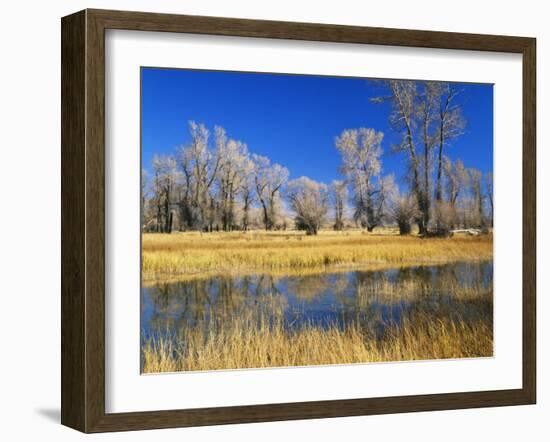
{"x":242,"y":336}
{"x":193,"y":253}
{"x":246,"y":342}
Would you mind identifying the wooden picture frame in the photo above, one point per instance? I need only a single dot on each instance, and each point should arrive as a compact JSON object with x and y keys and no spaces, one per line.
{"x":83,"y":220}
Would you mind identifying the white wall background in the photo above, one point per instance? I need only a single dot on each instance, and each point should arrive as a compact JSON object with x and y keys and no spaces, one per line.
{"x":30,"y":217}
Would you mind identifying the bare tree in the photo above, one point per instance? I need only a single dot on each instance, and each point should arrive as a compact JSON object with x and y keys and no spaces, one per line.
{"x":247,"y":191}
{"x":360,"y":150}
{"x":477,"y":197}
{"x":157,"y":193}
{"x":451,"y":125}
{"x":309,"y":199}
{"x":144,"y":183}
{"x":403,"y":98}
{"x":233,"y":159}
{"x":426,"y":109}
{"x":268,"y":180}
{"x":200,"y":167}
{"x":488,"y":178}
{"x":404,"y":210}
{"x":186,"y":190}
{"x":424,"y":114}
{"x":165,"y":179}
{"x":456,"y":181}
{"x":339,"y":191}
{"x":456,"y":177}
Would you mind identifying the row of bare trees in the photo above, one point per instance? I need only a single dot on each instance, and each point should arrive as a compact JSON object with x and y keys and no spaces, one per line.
{"x":427,"y":117}
{"x":215,"y":183}
{"x":462,"y":196}
{"x":210,"y":188}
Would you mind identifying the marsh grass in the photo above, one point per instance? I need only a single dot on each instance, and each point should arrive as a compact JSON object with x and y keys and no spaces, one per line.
{"x":194,"y":253}
{"x":249,"y":341}
{"x":229,"y":314}
{"x":258,"y":335}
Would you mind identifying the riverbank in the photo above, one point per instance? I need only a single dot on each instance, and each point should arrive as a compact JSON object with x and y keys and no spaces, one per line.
{"x":175,"y":255}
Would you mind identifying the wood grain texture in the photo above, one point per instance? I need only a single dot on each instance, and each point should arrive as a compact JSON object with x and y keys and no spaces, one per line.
{"x":83,"y":220}
{"x":95,"y":222}
{"x":144,"y":21}
{"x":73,"y":129}
{"x":529,"y":220}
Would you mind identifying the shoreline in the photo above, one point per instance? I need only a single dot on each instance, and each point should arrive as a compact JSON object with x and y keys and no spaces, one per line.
{"x":282,"y":272}
{"x":190,"y":255}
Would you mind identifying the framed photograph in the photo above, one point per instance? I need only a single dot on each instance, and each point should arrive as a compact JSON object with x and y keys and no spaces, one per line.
{"x":268,"y":221}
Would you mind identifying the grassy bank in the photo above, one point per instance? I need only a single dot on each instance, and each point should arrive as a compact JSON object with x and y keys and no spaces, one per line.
{"x":192,"y":253}
{"x":245,"y":343}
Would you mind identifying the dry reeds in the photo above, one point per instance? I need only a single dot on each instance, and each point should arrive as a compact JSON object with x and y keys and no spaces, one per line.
{"x":192,"y":253}
{"x":244,"y":336}
{"x":247,"y":341}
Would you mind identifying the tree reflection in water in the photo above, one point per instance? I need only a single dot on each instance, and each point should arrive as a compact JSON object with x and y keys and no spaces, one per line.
{"x":372,"y":299}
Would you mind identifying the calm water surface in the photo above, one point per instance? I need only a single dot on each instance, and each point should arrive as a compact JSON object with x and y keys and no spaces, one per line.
{"x":372,"y":298}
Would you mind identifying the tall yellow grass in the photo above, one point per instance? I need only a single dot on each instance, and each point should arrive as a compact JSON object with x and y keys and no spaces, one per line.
{"x":193,"y":253}
{"x":242,"y":336}
{"x":245,"y":343}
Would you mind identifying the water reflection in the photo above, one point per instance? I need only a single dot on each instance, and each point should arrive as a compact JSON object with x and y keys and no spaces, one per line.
{"x":374,"y":299}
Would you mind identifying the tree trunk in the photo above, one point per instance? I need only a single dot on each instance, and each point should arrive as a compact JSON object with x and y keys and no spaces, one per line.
{"x":266,"y":216}
{"x":404,"y":227}
{"x":416,"y":181}
{"x":170,"y":222}
{"x":438,"y":193}
{"x":311,"y":230}
{"x":426,"y":213}
{"x":159,"y":217}
{"x":245,"y":217}
{"x":480,"y":208}
{"x":421,"y":227}
{"x":272,"y":212}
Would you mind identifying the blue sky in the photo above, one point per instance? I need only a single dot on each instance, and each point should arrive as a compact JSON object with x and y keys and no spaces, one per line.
{"x":292,"y":119}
